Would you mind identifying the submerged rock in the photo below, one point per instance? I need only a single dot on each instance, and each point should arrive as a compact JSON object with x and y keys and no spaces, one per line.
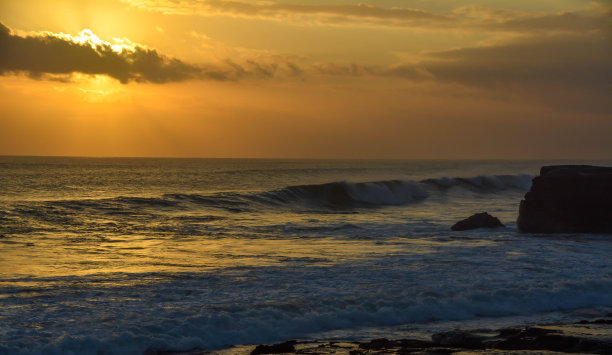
{"x":568,"y":199}
{"x":479,"y":220}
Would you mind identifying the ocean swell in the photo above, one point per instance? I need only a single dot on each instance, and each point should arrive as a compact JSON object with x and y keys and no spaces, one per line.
{"x":349,"y":194}
{"x":389,"y":192}
{"x":341,"y":195}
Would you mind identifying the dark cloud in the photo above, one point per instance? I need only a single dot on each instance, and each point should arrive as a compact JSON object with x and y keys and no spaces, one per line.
{"x":353,"y":69}
{"x":39,"y":55}
{"x":577,"y":67}
{"x":571,"y":71}
{"x":564,"y":71}
{"x":56,"y":57}
{"x":582,"y":61}
{"x":567,"y":21}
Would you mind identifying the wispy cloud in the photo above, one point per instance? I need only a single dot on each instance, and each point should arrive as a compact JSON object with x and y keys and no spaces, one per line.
{"x":467,"y":18}
{"x":271,"y":10}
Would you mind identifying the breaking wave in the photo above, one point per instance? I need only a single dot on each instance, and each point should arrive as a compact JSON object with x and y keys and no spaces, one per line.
{"x":328,"y":196}
{"x":349,"y":194}
{"x":390,"y":192}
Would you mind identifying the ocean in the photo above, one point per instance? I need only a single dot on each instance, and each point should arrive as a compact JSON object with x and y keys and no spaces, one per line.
{"x":121,"y":255}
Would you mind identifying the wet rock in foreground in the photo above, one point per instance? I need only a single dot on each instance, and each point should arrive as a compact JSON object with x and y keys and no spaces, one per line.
{"x":584,"y":337}
{"x":282,"y":348}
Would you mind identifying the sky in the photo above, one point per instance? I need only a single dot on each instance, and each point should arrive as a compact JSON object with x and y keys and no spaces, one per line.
{"x":395,"y":79}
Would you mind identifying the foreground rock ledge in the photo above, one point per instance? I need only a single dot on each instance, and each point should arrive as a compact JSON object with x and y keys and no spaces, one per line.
{"x":592,"y":336}
{"x":568,"y":199}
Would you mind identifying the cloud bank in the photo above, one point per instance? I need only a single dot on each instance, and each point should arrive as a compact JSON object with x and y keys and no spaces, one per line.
{"x":581,"y":61}
{"x":578,"y":65}
{"x":58,"y":54}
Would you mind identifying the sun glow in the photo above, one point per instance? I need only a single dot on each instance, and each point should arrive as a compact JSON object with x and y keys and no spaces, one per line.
{"x":305,"y":79}
{"x":86,"y":36}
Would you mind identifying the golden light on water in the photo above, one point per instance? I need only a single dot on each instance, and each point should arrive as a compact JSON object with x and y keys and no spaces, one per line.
{"x":118,"y":235}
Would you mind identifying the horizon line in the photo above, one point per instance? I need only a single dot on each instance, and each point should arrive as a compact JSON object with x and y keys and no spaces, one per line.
{"x":291,"y":158}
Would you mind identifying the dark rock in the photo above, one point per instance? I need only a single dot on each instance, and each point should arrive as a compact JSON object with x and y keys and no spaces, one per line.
{"x":589,"y":336}
{"x":543,"y":339}
{"x":510,"y":332}
{"x":534,"y":338}
{"x":459,"y":339}
{"x":405,"y":345}
{"x":597,"y":321}
{"x":416,"y":344}
{"x":194,"y":351}
{"x":378,"y":344}
{"x":479,"y":220}
{"x":527,"y":338}
{"x":286,"y":347}
{"x":440,"y":351}
{"x":531,"y":332}
{"x":568,"y":199}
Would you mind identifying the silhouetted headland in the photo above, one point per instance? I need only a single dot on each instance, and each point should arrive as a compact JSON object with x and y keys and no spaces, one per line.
{"x":568,"y":199}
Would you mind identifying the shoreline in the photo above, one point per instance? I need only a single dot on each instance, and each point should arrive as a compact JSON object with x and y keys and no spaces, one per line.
{"x":593,"y":336}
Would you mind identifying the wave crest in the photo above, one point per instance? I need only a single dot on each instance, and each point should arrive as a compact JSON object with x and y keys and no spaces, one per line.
{"x":349,"y":194}
{"x":389,"y":192}
{"x":483,"y":183}
{"x":333,"y":196}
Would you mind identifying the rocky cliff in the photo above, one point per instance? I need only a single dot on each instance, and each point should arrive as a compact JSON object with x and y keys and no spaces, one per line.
{"x":568,"y":199}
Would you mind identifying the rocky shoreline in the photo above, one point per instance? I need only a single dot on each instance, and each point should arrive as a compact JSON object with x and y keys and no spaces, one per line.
{"x":585,"y":337}
{"x":563,"y":199}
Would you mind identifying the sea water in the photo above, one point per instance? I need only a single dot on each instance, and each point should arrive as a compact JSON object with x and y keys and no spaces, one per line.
{"x":106,"y":256}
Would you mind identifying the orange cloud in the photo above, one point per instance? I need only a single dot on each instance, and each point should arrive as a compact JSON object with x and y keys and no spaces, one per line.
{"x":542,"y":66}
{"x":59,"y":54}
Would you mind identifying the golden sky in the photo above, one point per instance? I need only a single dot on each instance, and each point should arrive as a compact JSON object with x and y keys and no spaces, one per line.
{"x":306,"y":79}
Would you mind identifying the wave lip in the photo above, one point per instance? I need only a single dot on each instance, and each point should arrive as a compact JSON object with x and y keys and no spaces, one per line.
{"x":350,"y":194}
{"x":388,"y":192}
{"x":483,"y":183}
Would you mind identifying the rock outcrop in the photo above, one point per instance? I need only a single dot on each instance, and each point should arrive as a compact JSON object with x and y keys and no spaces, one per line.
{"x":478,"y":220}
{"x":585,"y":337}
{"x":568,"y":199}
{"x":282,"y":348}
